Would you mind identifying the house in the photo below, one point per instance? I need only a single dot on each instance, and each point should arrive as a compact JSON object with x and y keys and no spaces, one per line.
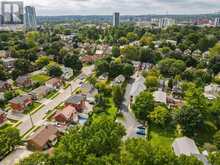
{"x":211,"y":91}
{"x":88,"y":90}
{"x":24,"y":81}
{"x":184,"y":146}
{"x":3,"y":54}
{"x":43,"y":138}
{"x":137,"y":87}
{"x":77,"y":101}
{"x":54,"y":83}
{"x":40,"y":92}
{"x":160,"y":96}
{"x":137,"y":65}
{"x":174,"y":103}
{"x":9,"y":62}
{"x":3,"y":117}
{"x":67,"y":73}
{"x":4,"y":85}
{"x":2,"y":96}
{"x":19,"y":103}
{"x":172,"y":42}
{"x":67,"y":115}
{"x":177,"y":92}
{"x":187,"y":146}
{"x":118,"y":80}
{"x":103,"y":77}
{"x":91,"y":58}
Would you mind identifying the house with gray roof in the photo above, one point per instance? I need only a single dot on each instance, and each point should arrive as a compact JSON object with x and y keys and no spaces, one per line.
{"x":187,"y":146}
{"x":137,"y":87}
{"x":77,"y":101}
{"x":118,"y":80}
{"x":40,"y":92}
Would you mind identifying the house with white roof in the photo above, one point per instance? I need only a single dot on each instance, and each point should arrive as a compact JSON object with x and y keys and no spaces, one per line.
{"x":160,"y":96}
{"x":67,"y":73}
{"x":212,"y":91}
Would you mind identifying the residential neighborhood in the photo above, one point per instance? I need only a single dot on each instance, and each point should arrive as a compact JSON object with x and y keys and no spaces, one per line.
{"x":108,"y":90}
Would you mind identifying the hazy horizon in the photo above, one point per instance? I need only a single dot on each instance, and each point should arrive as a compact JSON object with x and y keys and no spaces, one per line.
{"x":125,"y":7}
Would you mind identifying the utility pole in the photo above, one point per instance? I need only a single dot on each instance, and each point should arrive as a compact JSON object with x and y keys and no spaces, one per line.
{"x":32,"y":123}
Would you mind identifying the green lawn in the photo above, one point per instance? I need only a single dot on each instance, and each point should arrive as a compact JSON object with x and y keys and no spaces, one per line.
{"x":7,"y":125}
{"x":40,"y":78}
{"x":32,"y":107}
{"x":52,"y":95}
{"x":161,"y":137}
{"x":111,"y":111}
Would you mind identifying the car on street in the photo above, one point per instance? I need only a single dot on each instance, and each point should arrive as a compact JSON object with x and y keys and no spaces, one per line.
{"x":140,"y":130}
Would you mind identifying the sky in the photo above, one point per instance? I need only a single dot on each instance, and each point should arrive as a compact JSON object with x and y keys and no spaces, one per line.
{"x":125,"y":7}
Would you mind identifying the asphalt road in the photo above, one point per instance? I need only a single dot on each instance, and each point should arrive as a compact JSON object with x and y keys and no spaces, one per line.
{"x":37,"y":118}
{"x":130,"y":123}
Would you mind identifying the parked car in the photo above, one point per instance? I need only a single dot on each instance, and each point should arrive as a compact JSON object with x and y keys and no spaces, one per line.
{"x":140,"y":130}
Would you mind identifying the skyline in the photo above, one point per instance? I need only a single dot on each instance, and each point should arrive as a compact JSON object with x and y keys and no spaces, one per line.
{"x":125,"y":7}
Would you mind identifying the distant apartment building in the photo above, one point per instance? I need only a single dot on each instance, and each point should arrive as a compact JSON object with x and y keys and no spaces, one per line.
{"x":116,"y":19}
{"x":12,"y":12}
{"x":166,"y":22}
{"x":217,"y":22}
{"x":30,"y":17}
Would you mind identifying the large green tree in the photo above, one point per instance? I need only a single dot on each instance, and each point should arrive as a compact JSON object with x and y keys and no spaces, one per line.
{"x":73,"y":62}
{"x":9,"y":138}
{"x":143,"y":105}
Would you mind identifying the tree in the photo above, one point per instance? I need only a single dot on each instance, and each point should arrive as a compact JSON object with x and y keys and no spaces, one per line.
{"x":151,"y":82}
{"x":42,"y":61}
{"x":128,"y":70}
{"x":102,"y":137}
{"x":216,"y":139}
{"x":117,"y":94}
{"x":54,"y":70}
{"x":73,"y":62}
{"x":102,"y":67}
{"x":23,"y":65}
{"x":143,"y":105}
{"x":131,"y":52}
{"x":116,"y":51}
{"x":9,"y":138}
{"x":171,"y":67}
{"x":159,"y":116}
{"x":146,"y":55}
{"x":138,"y":151}
{"x":36,"y":158}
{"x":192,"y":116}
{"x":3,"y":73}
{"x":214,"y":63}
{"x":214,"y":158}
{"x":131,"y":36}
{"x":215,"y":51}
{"x":146,"y":40}
{"x":123,"y":41}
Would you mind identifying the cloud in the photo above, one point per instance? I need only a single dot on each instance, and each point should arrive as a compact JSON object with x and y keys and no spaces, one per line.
{"x":136,"y":7}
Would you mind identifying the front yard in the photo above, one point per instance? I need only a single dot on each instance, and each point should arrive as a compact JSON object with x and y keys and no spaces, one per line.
{"x":161,"y":137}
{"x":32,"y":107}
{"x":52,"y":95}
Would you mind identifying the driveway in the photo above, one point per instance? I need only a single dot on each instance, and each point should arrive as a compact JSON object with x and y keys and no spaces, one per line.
{"x":39,"y":115}
{"x":18,"y":154}
{"x":15,"y":115}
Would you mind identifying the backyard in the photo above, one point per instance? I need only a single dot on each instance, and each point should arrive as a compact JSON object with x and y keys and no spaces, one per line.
{"x":40,"y":78}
